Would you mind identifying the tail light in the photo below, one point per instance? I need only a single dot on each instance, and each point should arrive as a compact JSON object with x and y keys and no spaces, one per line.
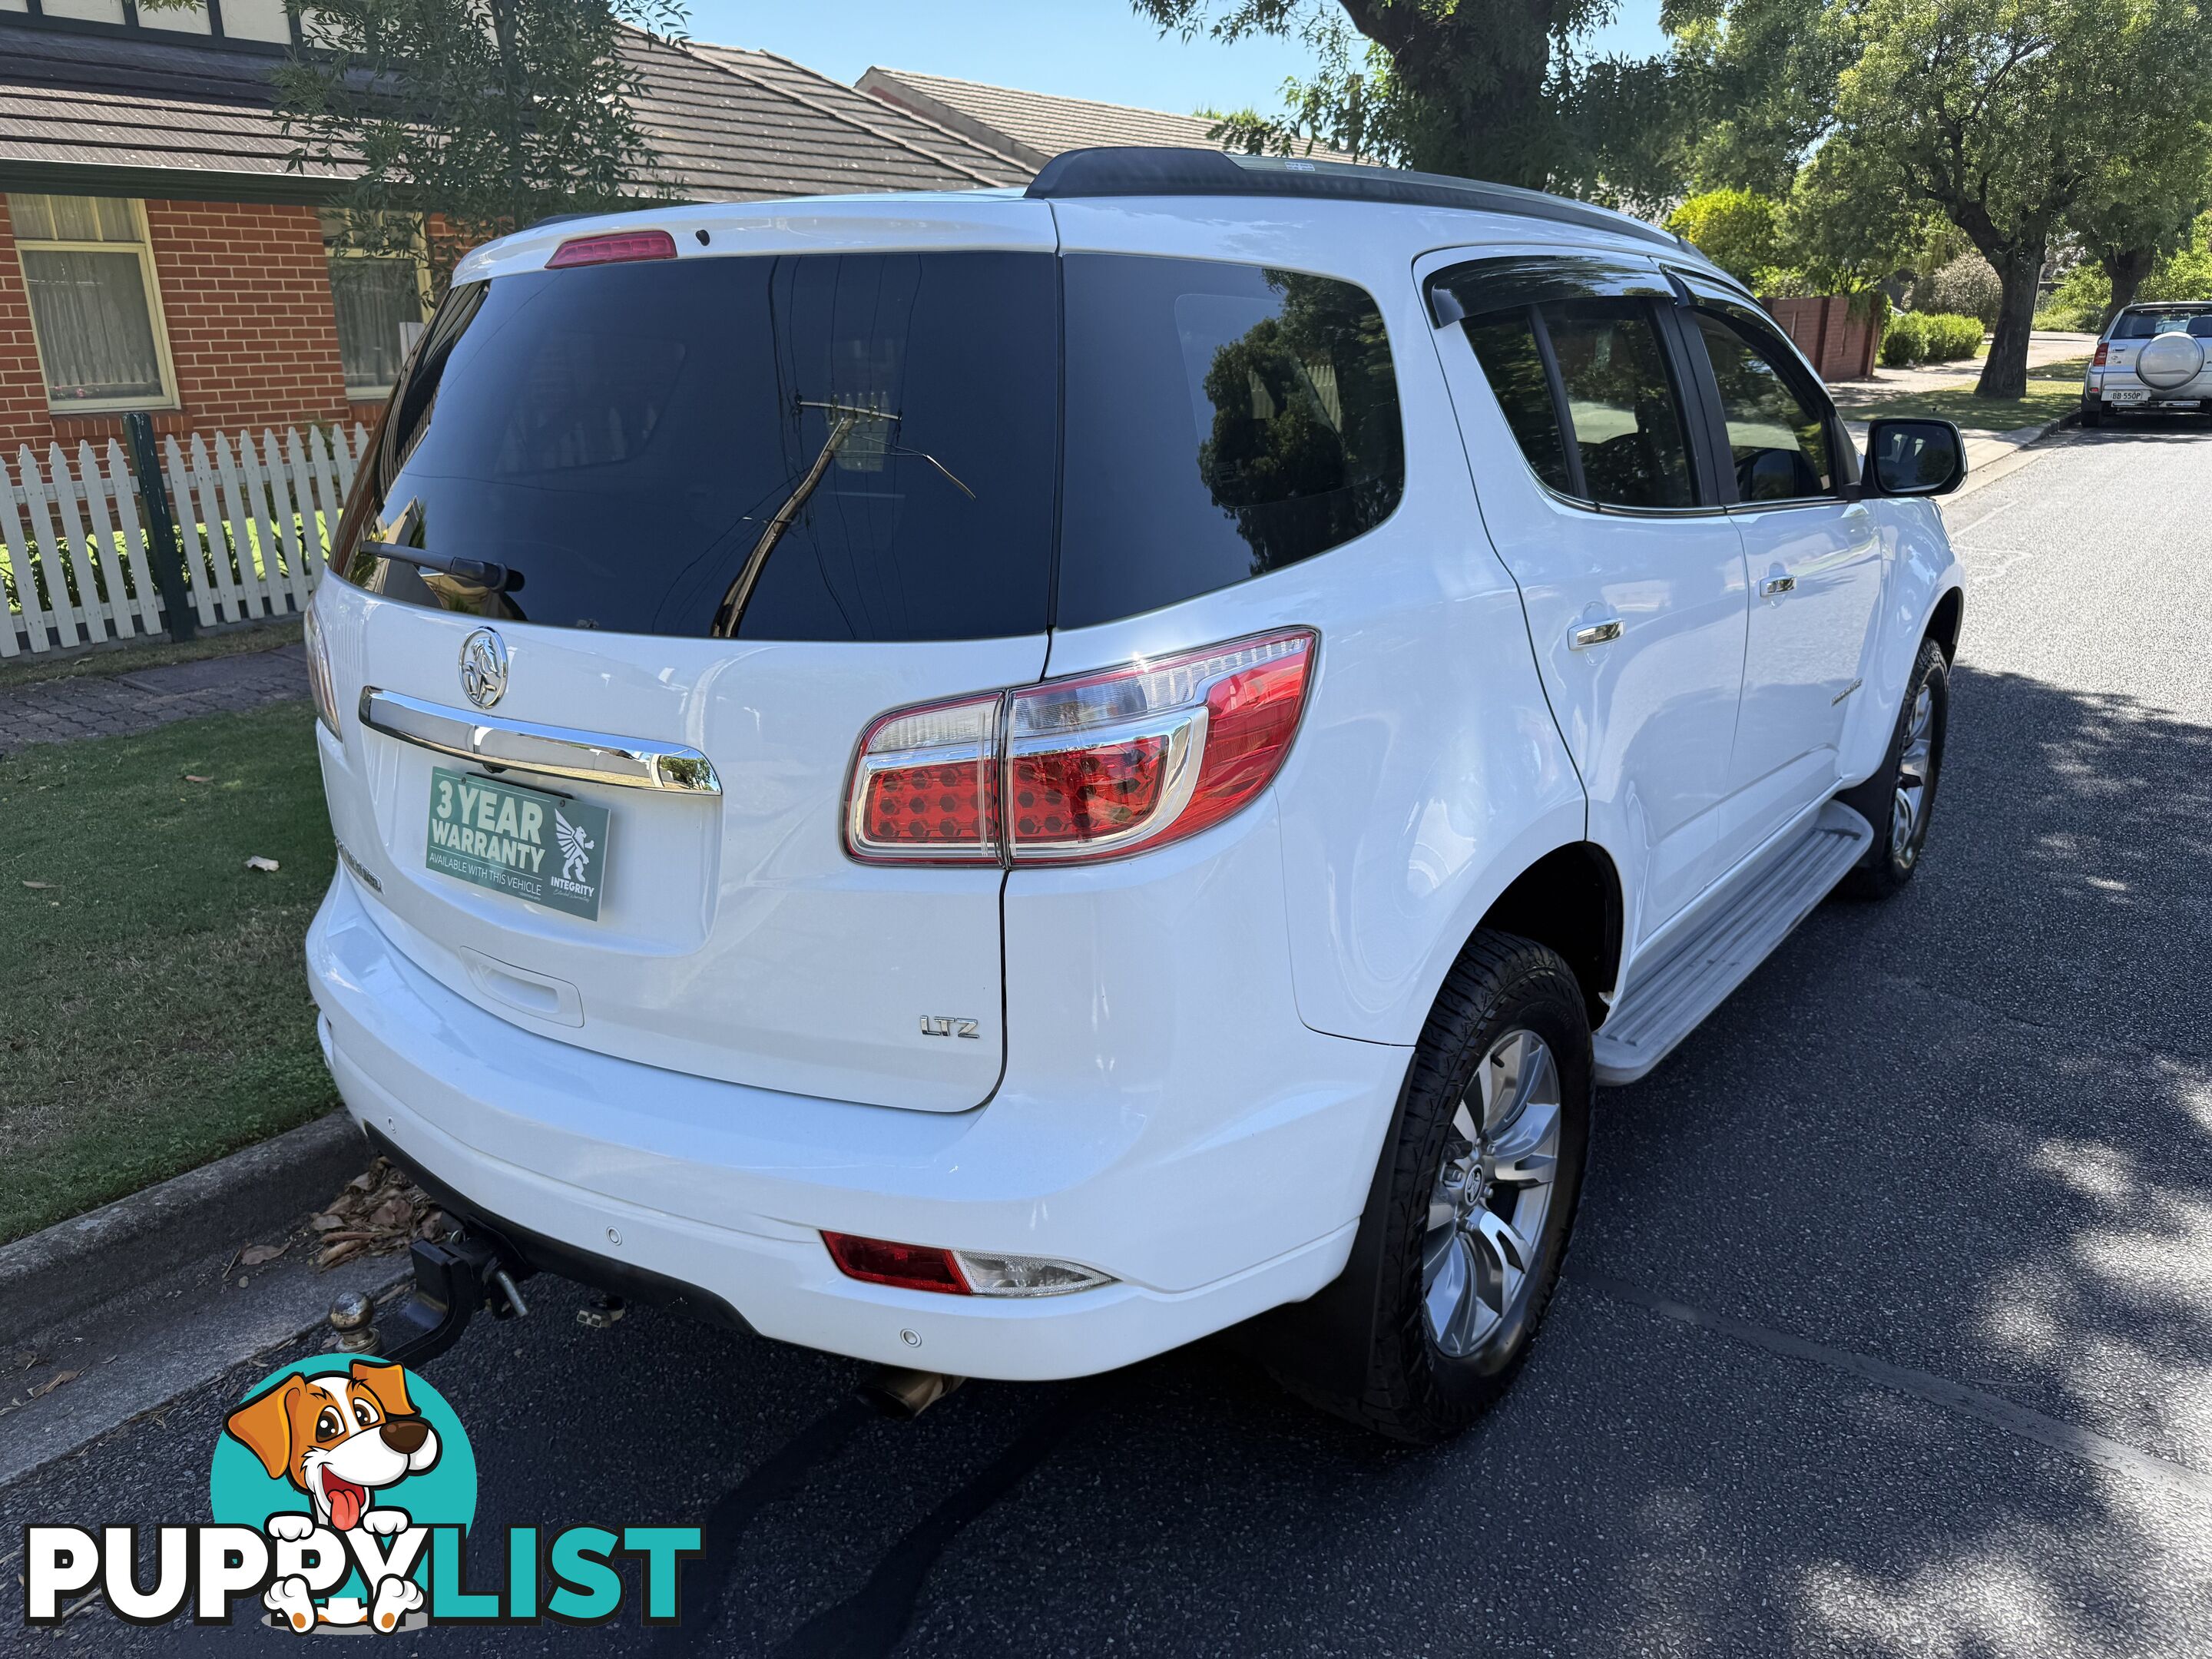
{"x":926,"y":785}
{"x":319,"y":682}
{"x":1087,"y":767}
{"x":2103,"y":349}
{"x":617,"y":248}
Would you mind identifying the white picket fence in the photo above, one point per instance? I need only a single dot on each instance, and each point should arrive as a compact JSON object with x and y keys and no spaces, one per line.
{"x":255,"y":521}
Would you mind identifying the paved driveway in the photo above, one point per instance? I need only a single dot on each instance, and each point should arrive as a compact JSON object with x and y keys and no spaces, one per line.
{"x":1890,"y":1332}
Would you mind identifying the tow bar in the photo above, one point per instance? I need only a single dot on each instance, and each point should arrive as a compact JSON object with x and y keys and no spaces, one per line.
{"x":454,"y":1279}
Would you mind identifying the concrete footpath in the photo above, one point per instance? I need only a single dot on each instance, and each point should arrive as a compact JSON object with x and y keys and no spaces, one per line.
{"x":97,"y":705}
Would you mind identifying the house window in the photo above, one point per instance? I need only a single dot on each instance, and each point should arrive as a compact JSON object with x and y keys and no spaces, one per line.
{"x":96,"y":307}
{"x":379,"y":300}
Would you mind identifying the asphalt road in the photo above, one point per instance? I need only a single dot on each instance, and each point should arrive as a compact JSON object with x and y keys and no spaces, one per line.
{"x":1937,"y":1183}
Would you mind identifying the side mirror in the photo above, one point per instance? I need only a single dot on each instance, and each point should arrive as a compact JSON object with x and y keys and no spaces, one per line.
{"x":1914,"y":458}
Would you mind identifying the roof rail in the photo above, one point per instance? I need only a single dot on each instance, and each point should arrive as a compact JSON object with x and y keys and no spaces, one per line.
{"x":1147,"y":170}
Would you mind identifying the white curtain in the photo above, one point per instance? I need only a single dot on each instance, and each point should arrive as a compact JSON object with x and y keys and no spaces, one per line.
{"x":95,"y":332}
{"x":374,"y":298}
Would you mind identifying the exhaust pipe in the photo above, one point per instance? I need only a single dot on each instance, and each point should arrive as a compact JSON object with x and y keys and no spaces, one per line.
{"x":903,"y":1395}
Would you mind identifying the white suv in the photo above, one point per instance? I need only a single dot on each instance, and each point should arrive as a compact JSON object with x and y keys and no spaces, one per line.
{"x":998,"y":782}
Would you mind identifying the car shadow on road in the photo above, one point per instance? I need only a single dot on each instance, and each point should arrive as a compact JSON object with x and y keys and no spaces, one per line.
{"x":1970,"y":1131}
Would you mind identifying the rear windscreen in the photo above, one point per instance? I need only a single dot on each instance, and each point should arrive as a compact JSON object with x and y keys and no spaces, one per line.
{"x":2145,"y":325}
{"x":826,"y":447}
{"x":876,"y":446}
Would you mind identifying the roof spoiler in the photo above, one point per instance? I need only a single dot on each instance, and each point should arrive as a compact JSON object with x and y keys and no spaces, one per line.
{"x":1148,"y":171}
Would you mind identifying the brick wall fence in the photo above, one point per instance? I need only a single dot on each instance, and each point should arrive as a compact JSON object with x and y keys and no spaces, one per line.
{"x":246,"y":295}
{"x":1840,"y":343}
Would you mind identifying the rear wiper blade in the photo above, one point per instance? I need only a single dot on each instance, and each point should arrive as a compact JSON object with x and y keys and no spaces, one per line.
{"x":479,"y":573}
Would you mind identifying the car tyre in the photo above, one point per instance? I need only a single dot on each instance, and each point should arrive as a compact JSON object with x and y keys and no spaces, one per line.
{"x":1900,"y":799}
{"x":2092,"y":412}
{"x":1475,"y":1196}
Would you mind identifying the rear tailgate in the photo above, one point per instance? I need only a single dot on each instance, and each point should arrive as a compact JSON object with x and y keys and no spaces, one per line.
{"x":873,"y":434}
{"x":734,"y":939}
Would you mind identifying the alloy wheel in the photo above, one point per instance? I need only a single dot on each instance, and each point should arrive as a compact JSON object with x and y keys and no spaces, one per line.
{"x":1494,"y":1194}
{"x":1915,"y":775}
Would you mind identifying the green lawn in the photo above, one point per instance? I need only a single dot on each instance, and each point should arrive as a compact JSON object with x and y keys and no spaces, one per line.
{"x":2053,"y":390}
{"x":155,"y":1011}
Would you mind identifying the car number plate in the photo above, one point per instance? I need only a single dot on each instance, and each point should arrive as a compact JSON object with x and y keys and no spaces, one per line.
{"x":547,"y":848}
{"x":2126,"y":395}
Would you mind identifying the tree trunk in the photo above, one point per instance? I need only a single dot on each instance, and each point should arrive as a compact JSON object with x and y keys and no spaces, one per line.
{"x":2005,"y":373}
{"x":2127,"y":269}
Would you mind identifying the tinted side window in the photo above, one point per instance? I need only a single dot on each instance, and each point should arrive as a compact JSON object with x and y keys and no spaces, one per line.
{"x":1778,"y":441}
{"x":1506,"y":345}
{"x":874,"y":433}
{"x":1627,"y":424}
{"x":1222,"y":422}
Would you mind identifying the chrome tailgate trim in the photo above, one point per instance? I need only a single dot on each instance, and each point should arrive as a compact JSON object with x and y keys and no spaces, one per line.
{"x":557,"y":751}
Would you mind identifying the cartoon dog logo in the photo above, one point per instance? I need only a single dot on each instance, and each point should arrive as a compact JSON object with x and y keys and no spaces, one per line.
{"x":340,"y":1436}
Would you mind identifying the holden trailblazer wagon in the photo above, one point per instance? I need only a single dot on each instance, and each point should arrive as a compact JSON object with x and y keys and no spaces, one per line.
{"x":997,"y":782}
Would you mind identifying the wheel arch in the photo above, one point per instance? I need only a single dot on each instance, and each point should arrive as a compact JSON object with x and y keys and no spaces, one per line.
{"x":1945,"y":620}
{"x":1570,"y":901}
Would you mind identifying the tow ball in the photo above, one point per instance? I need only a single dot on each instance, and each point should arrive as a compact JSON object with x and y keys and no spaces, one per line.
{"x":455,"y":1278}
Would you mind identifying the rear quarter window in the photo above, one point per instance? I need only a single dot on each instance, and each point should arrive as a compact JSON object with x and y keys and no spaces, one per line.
{"x":1221,"y":421}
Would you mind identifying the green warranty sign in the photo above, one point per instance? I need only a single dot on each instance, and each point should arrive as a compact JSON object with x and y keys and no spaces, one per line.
{"x":545,"y":849}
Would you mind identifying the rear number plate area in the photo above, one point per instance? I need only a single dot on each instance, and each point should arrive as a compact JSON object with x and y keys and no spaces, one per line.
{"x":546,"y":848}
{"x":2126,"y":395}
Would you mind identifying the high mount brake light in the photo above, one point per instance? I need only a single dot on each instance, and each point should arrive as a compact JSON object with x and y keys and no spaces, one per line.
{"x":1086,"y":767}
{"x":615,"y":248}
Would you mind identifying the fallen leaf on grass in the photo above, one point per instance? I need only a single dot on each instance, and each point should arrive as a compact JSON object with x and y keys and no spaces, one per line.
{"x":257,"y":862}
{"x":193,"y":777}
{"x":261,"y":1253}
{"x":53,"y":1383}
{"x":39,"y":886}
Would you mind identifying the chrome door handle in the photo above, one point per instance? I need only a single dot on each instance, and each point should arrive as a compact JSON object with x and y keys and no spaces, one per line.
{"x":1590,"y":634}
{"x":1776,"y":587}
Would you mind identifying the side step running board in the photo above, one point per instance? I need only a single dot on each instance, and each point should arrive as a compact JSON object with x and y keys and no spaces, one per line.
{"x":1669,"y":997}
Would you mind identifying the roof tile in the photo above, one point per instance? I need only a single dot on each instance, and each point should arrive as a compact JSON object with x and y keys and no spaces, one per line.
{"x":1033,"y":127}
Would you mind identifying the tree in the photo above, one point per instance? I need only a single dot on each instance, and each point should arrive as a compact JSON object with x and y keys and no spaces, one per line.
{"x":1485,"y":89}
{"x":481,"y":115}
{"x":1756,"y":83}
{"x":1739,"y":230}
{"x":2144,"y":213}
{"x":2008,"y":116}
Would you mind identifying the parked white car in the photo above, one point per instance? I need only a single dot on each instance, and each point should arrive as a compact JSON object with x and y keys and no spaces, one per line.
{"x":999,"y":782}
{"x":2150,"y":357}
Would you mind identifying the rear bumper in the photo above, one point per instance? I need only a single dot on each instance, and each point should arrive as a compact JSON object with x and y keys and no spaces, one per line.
{"x":1207,"y":1211}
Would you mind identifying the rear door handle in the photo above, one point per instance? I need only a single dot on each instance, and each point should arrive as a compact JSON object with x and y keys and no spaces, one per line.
{"x":1590,"y":634}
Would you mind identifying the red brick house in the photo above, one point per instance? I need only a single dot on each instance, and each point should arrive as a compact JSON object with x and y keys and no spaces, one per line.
{"x":156,"y":253}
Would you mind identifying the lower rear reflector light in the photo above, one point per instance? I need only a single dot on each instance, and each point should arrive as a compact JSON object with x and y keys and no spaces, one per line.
{"x":910,"y":1267}
{"x":955,"y":1272}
